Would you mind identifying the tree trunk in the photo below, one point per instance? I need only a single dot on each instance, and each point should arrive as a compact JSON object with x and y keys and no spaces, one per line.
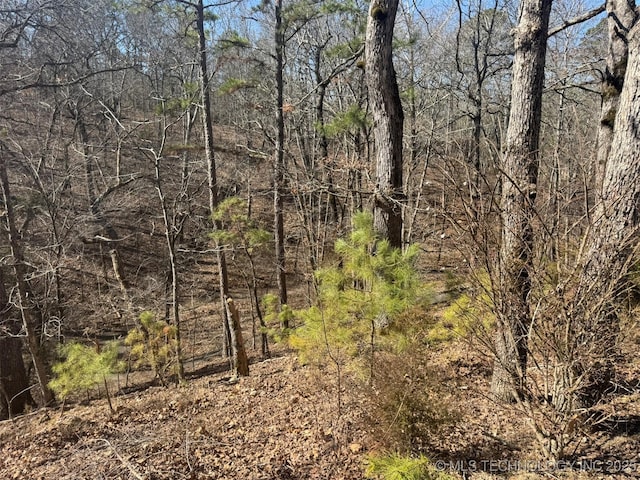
{"x":111,"y":235}
{"x":240,"y":360}
{"x":278,"y":176}
{"x":14,"y":384}
{"x":621,"y":17}
{"x":611,"y":249}
{"x":388,"y":120}
{"x":264,"y":343}
{"x":207,"y":127}
{"x":519,"y":183}
{"x":28,"y":309}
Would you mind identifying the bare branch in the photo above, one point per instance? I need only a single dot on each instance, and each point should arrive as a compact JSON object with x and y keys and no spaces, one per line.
{"x":576,"y":20}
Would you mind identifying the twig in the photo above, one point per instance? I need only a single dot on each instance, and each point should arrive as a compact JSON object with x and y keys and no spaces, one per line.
{"x":186,"y":448}
{"x":124,"y":461}
{"x":509,"y":445}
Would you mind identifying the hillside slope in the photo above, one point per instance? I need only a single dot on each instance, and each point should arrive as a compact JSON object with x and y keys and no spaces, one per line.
{"x":279,"y":423}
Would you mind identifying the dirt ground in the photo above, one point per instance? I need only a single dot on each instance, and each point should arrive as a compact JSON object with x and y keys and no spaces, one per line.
{"x":282,"y":422}
{"x":278,"y":423}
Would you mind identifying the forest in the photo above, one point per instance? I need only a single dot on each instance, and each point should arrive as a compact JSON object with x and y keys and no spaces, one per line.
{"x":319,"y":239}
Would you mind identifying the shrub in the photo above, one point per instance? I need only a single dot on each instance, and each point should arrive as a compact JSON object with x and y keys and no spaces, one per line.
{"x":83,"y":367}
{"x":154,"y":343}
{"x":358,"y":300}
{"x":398,"y":467}
{"x":408,"y":403}
{"x":371,"y":320}
{"x":469,"y":314}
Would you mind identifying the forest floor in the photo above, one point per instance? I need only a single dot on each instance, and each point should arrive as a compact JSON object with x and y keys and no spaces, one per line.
{"x":278,"y":423}
{"x":282,"y":422}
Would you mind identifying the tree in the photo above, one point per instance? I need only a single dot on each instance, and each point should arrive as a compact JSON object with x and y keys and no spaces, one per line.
{"x":279,"y":166}
{"x":611,"y":249}
{"x":154,"y":343}
{"x":214,"y":195}
{"x":333,"y":49}
{"x":204,"y":80}
{"x":482,"y":55}
{"x":358,"y":301}
{"x":82,"y":92}
{"x":173,"y":220}
{"x":519,"y":183}
{"x":30,"y":313}
{"x":108,"y":235}
{"x":388,"y":118}
{"x":621,"y":17}
{"x":14,"y":384}
{"x":84,"y":367}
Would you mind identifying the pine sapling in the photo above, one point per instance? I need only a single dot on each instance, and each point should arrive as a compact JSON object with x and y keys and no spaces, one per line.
{"x":154,"y":343}
{"x":83,"y":368}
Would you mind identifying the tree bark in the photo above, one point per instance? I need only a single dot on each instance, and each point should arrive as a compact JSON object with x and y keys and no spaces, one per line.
{"x":278,"y":176}
{"x":519,"y":184}
{"x":611,"y":249}
{"x":207,"y":127}
{"x":621,"y":17}
{"x":31,"y":316}
{"x":240,"y":360}
{"x":14,"y":384}
{"x":388,"y":120}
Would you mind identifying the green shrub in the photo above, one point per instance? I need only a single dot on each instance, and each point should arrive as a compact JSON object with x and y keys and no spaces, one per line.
{"x":398,"y":467}
{"x":359,"y":300}
{"x":83,"y":367}
{"x":275,"y":317}
{"x":467,"y":314}
{"x":237,"y":229}
{"x":154,"y":343}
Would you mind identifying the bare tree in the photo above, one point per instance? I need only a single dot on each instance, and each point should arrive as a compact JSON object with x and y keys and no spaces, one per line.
{"x":482,"y":55}
{"x":14,"y":384}
{"x":29,"y":311}
{"x":207,"y":128}
{"x":279,"y":166}
{"x":519,"y":188}
{"x":173,"y":220}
